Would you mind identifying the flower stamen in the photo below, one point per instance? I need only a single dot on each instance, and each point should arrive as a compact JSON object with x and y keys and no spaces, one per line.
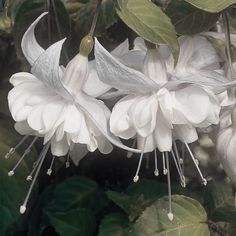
{"x":26,"y":152}
{"x":42,"y":158}
{"x":49,"y":171}
{"x":196,"y":163}
{"x":169,"y":214}
{"x":136,"y":177}
{"x":13,"y":149}
{"x":164,"y":164}
{"x":156,"y":171}
{"x":68,"y":160}
{"x":182,"y":177}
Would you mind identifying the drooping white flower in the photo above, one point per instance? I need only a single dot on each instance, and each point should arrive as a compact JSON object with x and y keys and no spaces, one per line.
{"x":51,"y":102}
{"x":226,"y":143}
{"x":164,"y":102}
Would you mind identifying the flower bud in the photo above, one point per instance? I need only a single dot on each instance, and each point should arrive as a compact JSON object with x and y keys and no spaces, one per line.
{"x":86,"y":45}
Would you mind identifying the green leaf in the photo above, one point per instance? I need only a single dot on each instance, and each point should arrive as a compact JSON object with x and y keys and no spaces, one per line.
{"x":76,"y":192}
{"x":78,"y":222}
{"x":188,"y":19}
{"x":6,"y":220}
{"x":189,"y":218}
{"x":211,"y":5}
{"x":148,"y":21}
{"x":115,"y":224}
{"x":220,"y":202}
{"x":150,"y":189}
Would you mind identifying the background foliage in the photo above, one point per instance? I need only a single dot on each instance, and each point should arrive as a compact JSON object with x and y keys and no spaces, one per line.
{"x":98,"y":197}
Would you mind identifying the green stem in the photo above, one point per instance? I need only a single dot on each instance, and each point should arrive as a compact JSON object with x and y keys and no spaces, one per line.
{"x":228,"y":40}
{"x":95,"y":17}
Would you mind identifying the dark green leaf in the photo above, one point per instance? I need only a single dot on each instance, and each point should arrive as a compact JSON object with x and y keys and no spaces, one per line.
{"x":115,"y":224}
{"x":6,"y":220}
{"x":78,"y":222}
{"x":189,"y":218}
{"x":76,"y":192}
{"x":212,"y":5}
{"x":220,"y":202}
{"x":188,"y":19}
{"x":148,"y":21}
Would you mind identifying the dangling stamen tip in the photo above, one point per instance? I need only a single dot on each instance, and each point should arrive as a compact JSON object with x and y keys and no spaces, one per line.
{"x":183,"y":184}
{"x":204,"y":182}
{"x":29,"y":178}
{"x":165,"y":171}
{"x":156,"y":172}
{"x":22,"y":209}
{"x":136,"y":178}
{"x":129,"y":154}
{"x":170,"y":216}
{"x":11,"y":173}
{"x":49,"y":172}
{"x":181,"y":161}
{"x":67,"y":164}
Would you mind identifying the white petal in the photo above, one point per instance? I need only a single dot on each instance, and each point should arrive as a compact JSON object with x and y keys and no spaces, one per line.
{"x":104,"y":146}
{"x":143,"y":113}
{"x":99,"y":114}
{"x":60,"y":148}
{"x":93,"y":86}
{"x":21,"y":77}
{"x":150,"y":143}
{"x":30,"y":47}
{"x":73,"y":119}
{"x":154,"y":67}
{"x":120,"y":121}
{"x":185,"y":133}
{"x":193,"y":102}
{"x":35,"y":119}
{"x":119,"y":76}
{"x":76,"y":74}
{"x":51,"y":114}
{"x":163,"y":134}
{"x":78,"y":152}
{"x":23,"y":128}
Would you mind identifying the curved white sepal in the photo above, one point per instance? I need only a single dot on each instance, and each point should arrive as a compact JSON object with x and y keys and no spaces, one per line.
{"x":30,"y":47}
{"x":119,"y":76}
{"x":46,"y":68}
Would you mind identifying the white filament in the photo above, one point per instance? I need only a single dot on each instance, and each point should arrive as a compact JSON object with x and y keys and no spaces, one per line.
{"x":164,"y":164}
{"x":156,"y":171}
{"x":49,"y":171}
{"x":26,"y":152}
{"x":13,"y":149}
{"x":169,"y":214}
{"x":136,"y":177}
{"x":204,"y":181}
{"x":42,"y":158}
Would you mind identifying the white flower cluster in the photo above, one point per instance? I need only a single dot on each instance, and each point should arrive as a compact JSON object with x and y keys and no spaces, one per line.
{"x":159,"y":100}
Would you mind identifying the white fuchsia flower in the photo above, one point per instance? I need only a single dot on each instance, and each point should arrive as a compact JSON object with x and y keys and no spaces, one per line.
{"x":225,"y":143}
{"x":51,"y":102}
{"x":165,"y":103}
